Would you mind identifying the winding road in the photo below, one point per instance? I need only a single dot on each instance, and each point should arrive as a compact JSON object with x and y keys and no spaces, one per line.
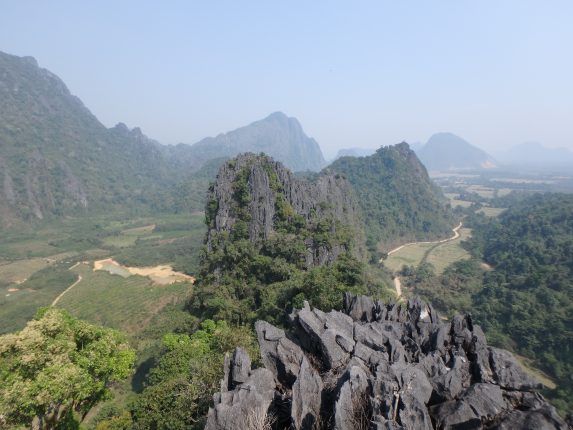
{"x":57,"y":299}
{"x":397,"y":282}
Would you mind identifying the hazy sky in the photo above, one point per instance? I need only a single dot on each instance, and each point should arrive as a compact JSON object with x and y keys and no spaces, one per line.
{"x":355,"y":73}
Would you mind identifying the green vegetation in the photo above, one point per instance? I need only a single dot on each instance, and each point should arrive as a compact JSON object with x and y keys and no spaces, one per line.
{"x":242,"y":279}
{"x":57,"y":366}
{"x":526,"y":302}
{"x":444,"y":254}
{"x":18,"y":307}
{"x":123,"y":303}
{"x":35,"y":271}
{"x":399,"y":202}
{"x":179,"y":389}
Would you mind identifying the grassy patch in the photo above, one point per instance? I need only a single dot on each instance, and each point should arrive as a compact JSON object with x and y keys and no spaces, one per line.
{"x":410,"y":255}
{"x":441,"y":255}
{"x":444,"y":254}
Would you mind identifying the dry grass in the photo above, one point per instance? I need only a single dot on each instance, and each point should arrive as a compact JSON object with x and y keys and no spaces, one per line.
{"x":258,"y":419}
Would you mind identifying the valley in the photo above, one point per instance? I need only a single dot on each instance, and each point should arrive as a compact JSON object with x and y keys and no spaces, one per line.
{"x":148,"y":253}
{"x":179,"y":254}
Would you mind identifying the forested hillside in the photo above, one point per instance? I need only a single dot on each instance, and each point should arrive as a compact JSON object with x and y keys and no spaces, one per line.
{"x":277,"y":135}
{"x":399,"y":202}
{"x":275,"y":240}
{"x":57,"y":159}
{"x":525,"y":302}
{"x":528,"y":299}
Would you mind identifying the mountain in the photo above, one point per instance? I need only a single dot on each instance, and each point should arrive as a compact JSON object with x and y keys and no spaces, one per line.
{"x":275,"y":239}
{"x":354,"y":152}
{"x":446,"y":151}
{"x":399,"y":202}
{"x":56,"y":158}
{"x":277,"y":135}
{"x":378,"y":366}
{"x":535,"y":154}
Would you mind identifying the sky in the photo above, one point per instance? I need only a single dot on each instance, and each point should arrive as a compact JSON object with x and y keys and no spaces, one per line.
{"x":355,"y":74}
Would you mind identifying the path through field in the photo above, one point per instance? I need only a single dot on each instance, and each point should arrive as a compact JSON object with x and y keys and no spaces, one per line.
{"x":57,"y":299}
{"x":397,"y":282}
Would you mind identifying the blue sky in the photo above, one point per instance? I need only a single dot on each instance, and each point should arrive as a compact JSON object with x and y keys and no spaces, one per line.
{"x":364,"y":73}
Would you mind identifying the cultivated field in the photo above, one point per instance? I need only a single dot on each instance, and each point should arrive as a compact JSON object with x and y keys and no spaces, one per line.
{"x":125,"y":303}
{"x":440,"y":255}
{"x":35,"y":268}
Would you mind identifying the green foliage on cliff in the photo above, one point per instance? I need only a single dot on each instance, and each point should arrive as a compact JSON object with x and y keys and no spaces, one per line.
{"x":179,"y":389}
{"x":56,"y":366}
{"x":245,"y":278}
{"x":399,"y":202}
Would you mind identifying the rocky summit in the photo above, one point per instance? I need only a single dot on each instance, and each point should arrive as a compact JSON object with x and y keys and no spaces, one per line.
{"x":378,"y":366}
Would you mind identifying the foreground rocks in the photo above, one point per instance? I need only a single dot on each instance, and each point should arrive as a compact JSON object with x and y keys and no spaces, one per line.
{"x":378,"y":366}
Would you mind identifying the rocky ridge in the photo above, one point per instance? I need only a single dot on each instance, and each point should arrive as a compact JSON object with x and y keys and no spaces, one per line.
{"x":378,"y":366}
{"x":277,"y":135}
{"x":258,"y":193}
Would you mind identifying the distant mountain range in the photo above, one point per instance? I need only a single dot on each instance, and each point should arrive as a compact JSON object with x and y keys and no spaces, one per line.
{"x":535,"y":154}
{"x":277,"y":135}
{"x":57,"y":159}
{"x":446,"y":151}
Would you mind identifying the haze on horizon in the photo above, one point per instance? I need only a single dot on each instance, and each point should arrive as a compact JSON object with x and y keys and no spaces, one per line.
{"x":355,"y":75}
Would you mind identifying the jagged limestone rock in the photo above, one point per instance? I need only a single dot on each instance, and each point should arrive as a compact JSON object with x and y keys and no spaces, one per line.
{"x":250,"y":189}
{"x":381,"y":366}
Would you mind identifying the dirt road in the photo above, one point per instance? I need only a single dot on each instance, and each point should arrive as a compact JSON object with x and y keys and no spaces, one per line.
{"x":397,"y":282}
{"x":57,"y":299}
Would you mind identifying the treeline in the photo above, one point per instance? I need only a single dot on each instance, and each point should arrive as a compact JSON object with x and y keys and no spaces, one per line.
{"x":399,"y":202}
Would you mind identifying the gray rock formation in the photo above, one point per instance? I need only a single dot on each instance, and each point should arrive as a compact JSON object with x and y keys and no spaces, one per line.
{"x":250,"y":188}
{"x":378,"y":366}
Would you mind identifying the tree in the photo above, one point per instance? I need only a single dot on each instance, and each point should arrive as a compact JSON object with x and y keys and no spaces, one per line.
{"x":57,"y":365}
{"x":180,"y":388}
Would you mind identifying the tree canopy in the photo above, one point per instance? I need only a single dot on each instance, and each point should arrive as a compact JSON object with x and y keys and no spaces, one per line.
{"x":57,"y":365}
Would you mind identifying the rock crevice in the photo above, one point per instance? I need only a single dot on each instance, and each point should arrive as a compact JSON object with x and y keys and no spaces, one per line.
{"x":378,"y":366}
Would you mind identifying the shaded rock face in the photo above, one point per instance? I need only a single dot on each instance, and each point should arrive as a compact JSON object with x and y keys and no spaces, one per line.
{"x":379,"y":366}
{"x":266,"y":185}
{"x":277,"y":135}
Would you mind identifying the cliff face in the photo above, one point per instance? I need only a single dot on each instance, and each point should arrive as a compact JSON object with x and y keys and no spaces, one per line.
{"x":259,"y":196}
{"x":277,"y":135}
{"x":378,"y":366}
{"x":57,"y":159}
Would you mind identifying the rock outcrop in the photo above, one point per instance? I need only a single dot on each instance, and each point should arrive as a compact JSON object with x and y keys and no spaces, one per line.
{"x":378,"y":366}
{"x":257,"y":194}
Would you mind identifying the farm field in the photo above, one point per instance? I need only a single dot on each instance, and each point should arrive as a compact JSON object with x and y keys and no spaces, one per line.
{"x":444,"y":254}
{"x":491,"y":212}
{"x":410,"y":255}
{"x":124,"y":303}
{"x":36,"y":269}
{"x":441,"y":255}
